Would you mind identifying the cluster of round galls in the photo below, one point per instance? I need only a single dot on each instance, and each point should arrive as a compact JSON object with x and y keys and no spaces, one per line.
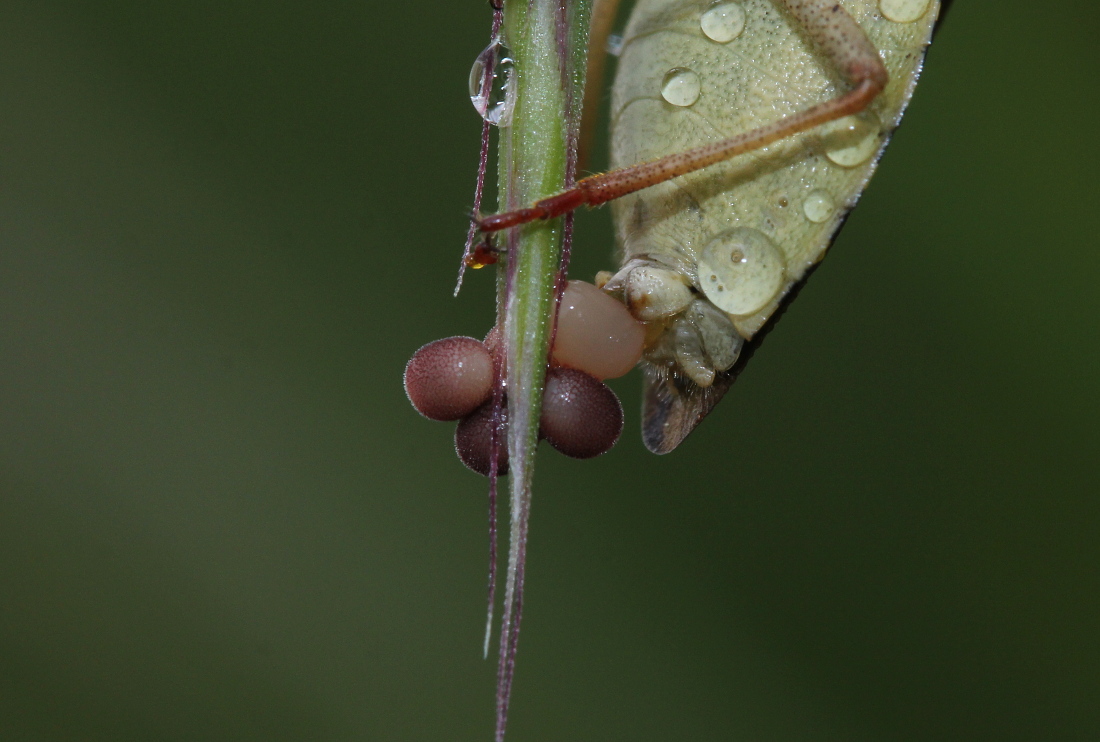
{"x":596,"y":339}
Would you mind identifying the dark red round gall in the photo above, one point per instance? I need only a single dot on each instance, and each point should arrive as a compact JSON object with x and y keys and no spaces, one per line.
{"x":473,"y":440}
{"x":449,"y":378}
{"x":581,"y":416}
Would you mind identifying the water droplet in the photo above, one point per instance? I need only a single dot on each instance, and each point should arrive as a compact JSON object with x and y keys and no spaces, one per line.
{"x":479,"y":97}
{"x":723,"y":22}
{"x":681,"y":86}
{"x":903,"y":11}
{"x":494,"y":105}
{"x":741,"y":270}
{"x":857,"y":139}
{"x":615,"y":45}
{"x":818,"y":206}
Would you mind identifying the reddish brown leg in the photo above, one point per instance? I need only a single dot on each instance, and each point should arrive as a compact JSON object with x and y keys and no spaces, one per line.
{"x":838,"y":37}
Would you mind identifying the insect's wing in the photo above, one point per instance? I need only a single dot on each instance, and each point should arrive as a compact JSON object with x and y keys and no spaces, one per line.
{"x":691,"y":73}
{"x":672,"y":405}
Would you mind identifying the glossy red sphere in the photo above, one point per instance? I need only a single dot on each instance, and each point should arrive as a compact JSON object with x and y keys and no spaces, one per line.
{"x":473,"y":440}
{"x":581,"y":416}
{"x":449,"y":378}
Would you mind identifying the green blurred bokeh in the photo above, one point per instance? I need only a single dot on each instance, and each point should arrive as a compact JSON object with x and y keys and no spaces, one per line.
{"x":224,"y":227}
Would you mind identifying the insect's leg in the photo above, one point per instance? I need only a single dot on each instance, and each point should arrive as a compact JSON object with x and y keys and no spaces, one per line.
{"x":603,"y":17}
{"x":838,"y":37}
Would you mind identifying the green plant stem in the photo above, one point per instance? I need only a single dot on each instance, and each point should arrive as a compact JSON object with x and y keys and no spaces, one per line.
{"x":547,"y":40}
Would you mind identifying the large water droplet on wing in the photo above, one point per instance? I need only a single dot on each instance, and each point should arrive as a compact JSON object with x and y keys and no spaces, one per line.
{"x":681,"y":86}
{"x":724,"y":22}
{"x":903,"y":11}
{"x":818,"y":206}
{"x":856,"y":139}
{"x":741,"y":270}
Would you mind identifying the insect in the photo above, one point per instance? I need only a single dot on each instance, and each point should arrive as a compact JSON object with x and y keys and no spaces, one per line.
{"x":742,"y":135}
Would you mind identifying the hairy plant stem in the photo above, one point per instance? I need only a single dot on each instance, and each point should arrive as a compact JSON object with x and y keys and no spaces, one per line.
{"x":548,"y":41}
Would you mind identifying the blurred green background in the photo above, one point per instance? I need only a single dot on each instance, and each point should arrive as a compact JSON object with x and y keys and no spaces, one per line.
{"x":225,"y":226}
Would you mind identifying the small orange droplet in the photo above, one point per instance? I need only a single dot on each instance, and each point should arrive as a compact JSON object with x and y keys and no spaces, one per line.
{"x":482,"y":256}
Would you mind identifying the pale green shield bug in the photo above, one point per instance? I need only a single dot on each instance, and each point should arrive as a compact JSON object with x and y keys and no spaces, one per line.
{"x":739,"y":235}
{"x":757,"y":124}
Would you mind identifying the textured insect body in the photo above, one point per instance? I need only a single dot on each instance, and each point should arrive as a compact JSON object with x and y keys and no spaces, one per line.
{"x":709,"y":257}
